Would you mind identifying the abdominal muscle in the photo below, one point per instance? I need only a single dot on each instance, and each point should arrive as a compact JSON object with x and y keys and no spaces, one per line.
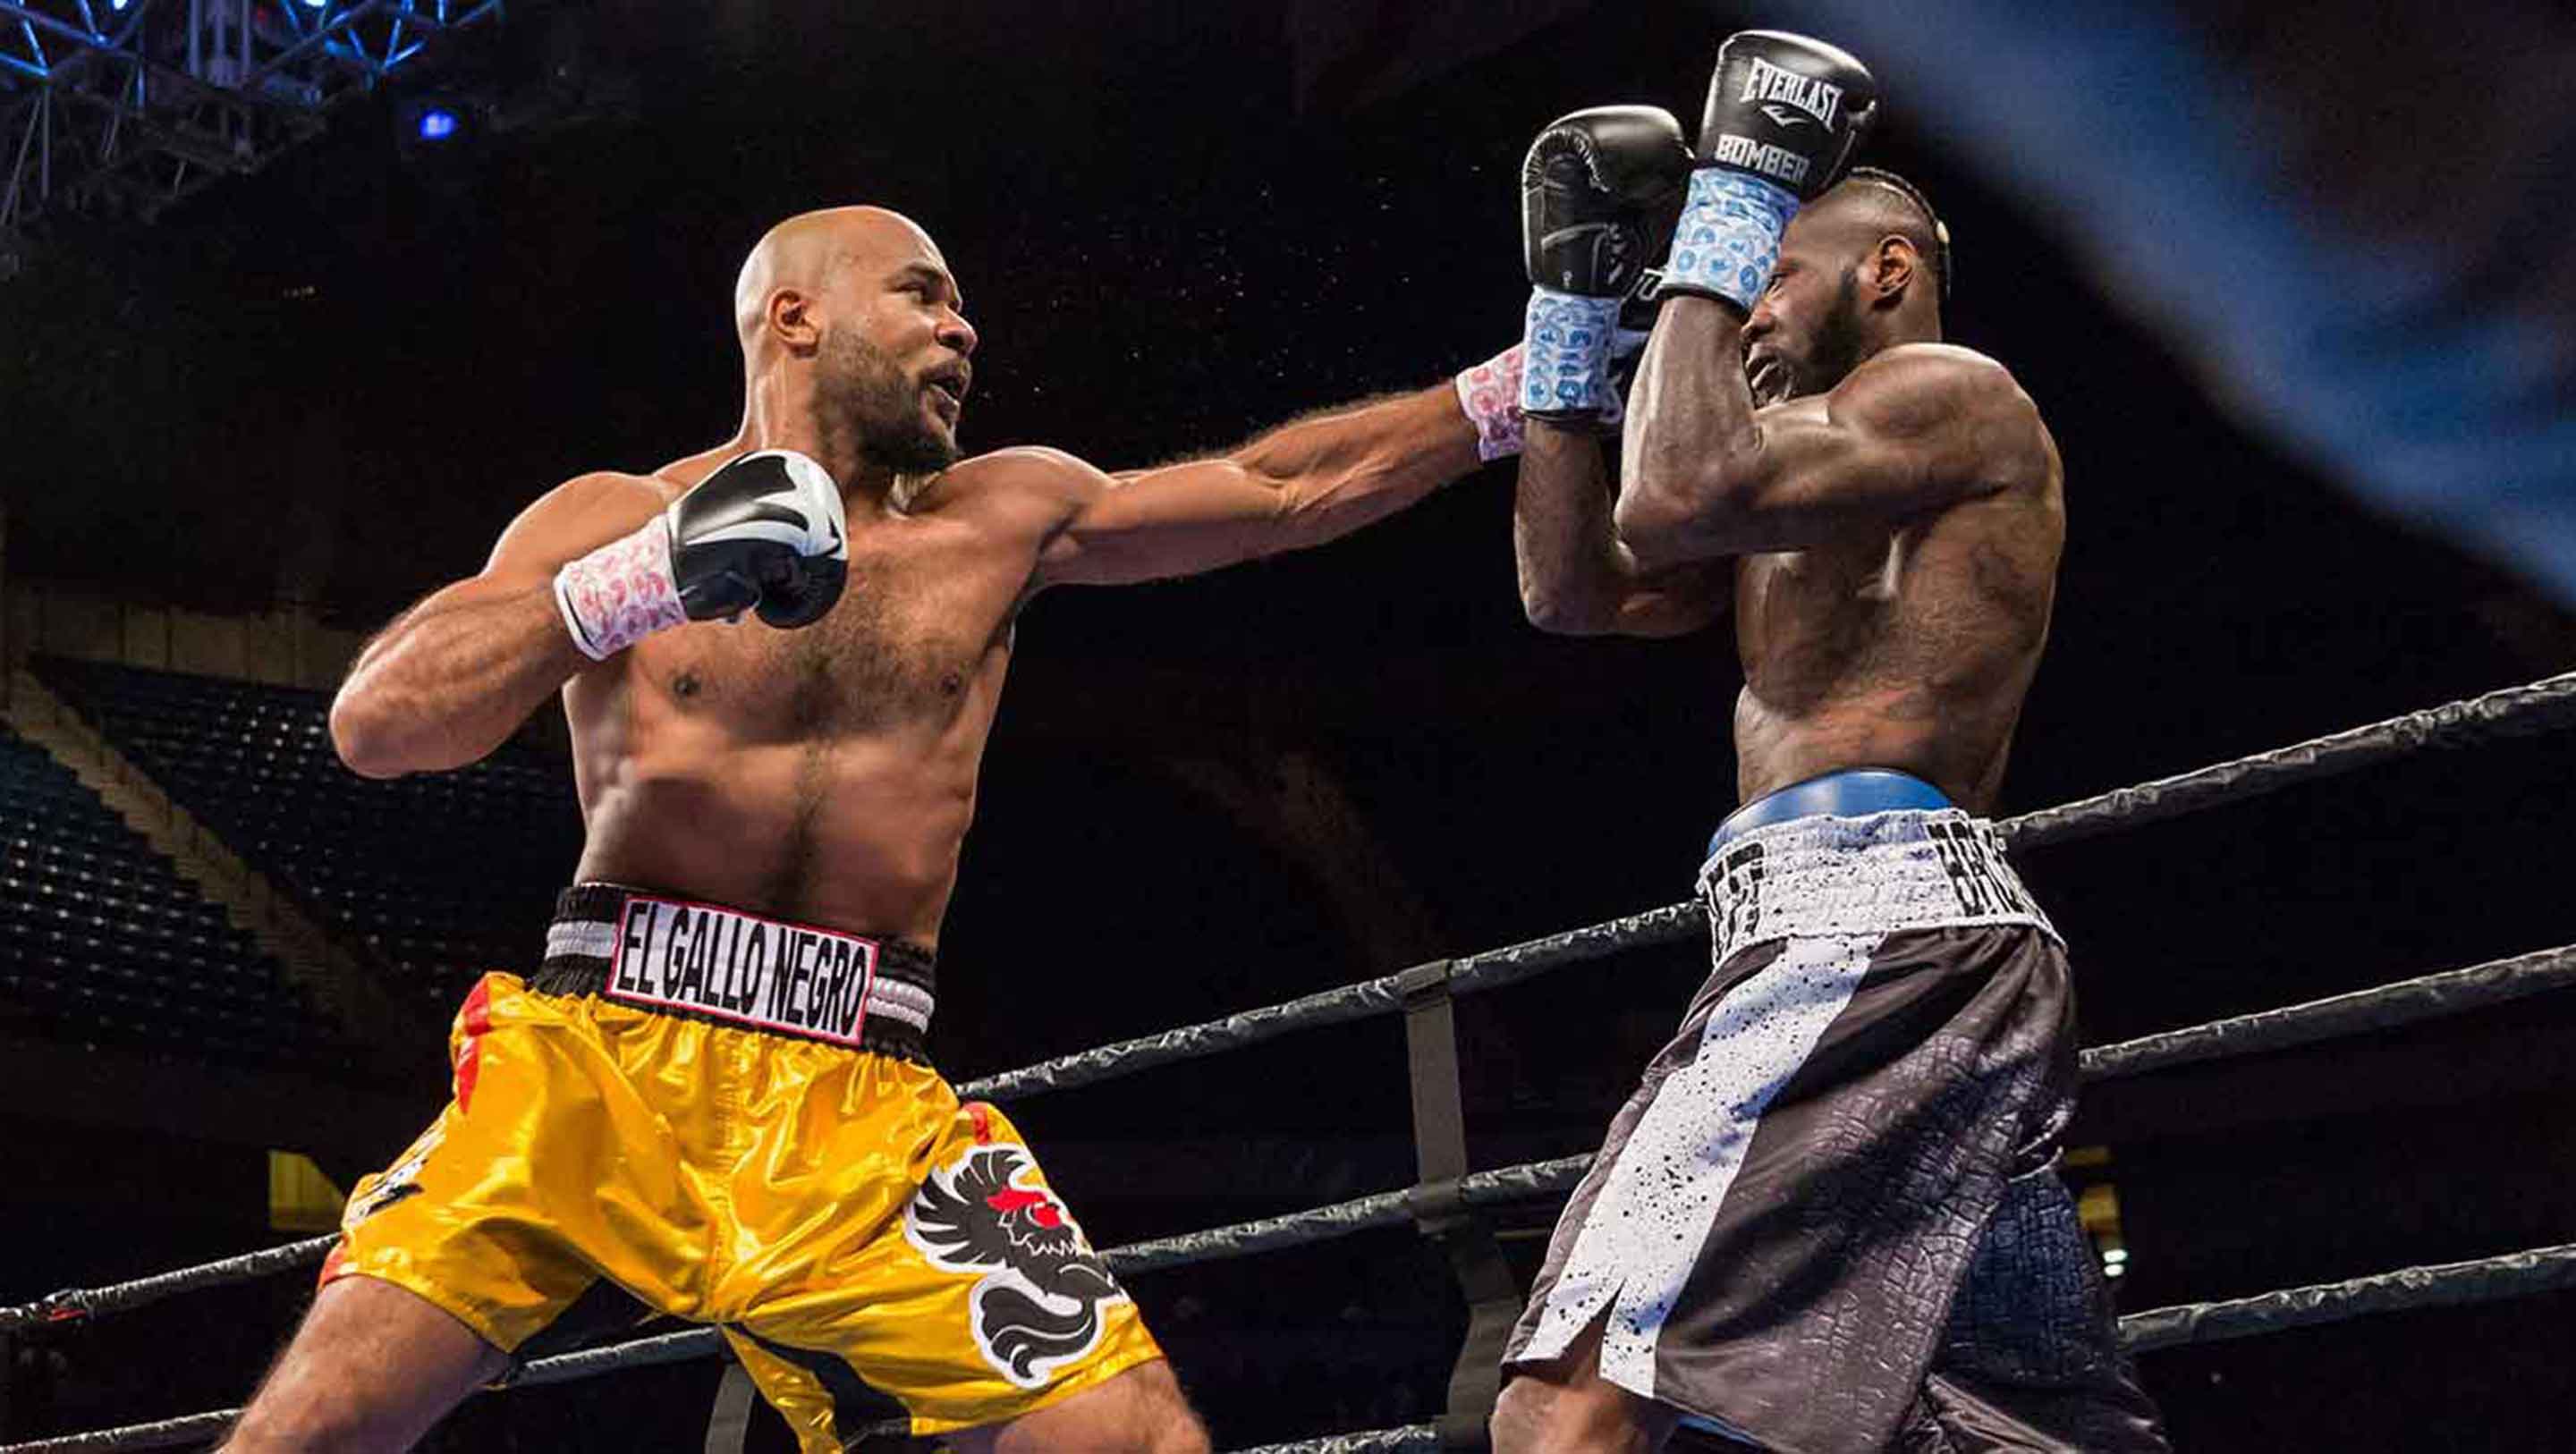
{"x":860,"y":834}
{"x":1957,"y":747}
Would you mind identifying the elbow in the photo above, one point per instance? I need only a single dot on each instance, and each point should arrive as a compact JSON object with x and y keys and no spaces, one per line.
{"x":363,"y":733}
{"x":1657,"y":531}
{"x":1560,"y":615}
{"x":1673,"y":520}
{"x":1658,"y":505}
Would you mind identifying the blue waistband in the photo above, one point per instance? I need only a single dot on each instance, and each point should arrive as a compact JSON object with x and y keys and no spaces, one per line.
{"x":1853,"y":793}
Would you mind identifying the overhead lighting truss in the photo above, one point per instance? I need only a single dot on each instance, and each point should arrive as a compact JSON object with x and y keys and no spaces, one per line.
{"x":123,"y":107}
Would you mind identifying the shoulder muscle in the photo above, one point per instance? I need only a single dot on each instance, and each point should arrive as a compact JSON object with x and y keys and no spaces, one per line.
{"x":1033,"y":486}
{"x":580,"y":514}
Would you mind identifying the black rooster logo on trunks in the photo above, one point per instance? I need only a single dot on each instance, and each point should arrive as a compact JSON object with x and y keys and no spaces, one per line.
{"x":1039,"y":1304}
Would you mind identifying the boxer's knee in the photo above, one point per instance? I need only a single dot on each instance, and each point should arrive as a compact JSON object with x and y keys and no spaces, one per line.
{"x":1564,"y":1404}
{"x":1519,"y":1418}
{"x":1139,"y":1411}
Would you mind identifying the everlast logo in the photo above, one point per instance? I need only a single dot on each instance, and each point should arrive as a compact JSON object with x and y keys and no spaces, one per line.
{"x":1977,"y":874}
{"x":1767,"y":82}
{"x":691,"y":957}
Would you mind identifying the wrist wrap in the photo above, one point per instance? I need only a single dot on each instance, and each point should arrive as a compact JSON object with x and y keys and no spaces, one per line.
{"x":1565,"y":339}
{"x":620,"y":593}
{"x":1490,"y":396}
{"x":1729,"y":237}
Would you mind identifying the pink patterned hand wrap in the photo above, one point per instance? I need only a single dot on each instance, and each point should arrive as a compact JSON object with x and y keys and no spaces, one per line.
{"x":621,"y":593}
{"x":1491,"y":394}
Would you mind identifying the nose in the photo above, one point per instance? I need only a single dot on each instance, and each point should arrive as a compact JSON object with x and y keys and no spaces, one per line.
{"x":955,"y":332}
{"x":1761,"y":321}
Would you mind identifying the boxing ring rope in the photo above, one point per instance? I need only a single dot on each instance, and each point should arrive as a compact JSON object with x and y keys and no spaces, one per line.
{"x":2404,"y":1002}
{"x":2543,"y":1269}
{"x":2531,"y":709}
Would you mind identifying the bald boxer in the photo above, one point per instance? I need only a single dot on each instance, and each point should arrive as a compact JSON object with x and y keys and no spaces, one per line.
{"x":1830,"y":1220}
{"x":780,"y":659}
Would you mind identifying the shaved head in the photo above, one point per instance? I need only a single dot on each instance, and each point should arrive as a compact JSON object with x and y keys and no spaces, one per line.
{"x":848,"y":318}
{"x":808,"y":251}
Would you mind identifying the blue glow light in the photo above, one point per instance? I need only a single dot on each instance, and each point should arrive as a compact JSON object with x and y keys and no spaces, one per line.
{"x":437,"y":124}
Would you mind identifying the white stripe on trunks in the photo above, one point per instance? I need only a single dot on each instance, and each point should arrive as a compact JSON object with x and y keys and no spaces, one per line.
{"x":1645,"y":1230}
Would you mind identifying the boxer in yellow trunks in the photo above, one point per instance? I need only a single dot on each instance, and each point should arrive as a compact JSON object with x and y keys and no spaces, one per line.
{"x":780,"y":660}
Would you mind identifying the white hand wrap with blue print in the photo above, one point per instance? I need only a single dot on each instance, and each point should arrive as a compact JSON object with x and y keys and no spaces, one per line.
{"x":1729,"y":237}
{"x":1565,"y":355}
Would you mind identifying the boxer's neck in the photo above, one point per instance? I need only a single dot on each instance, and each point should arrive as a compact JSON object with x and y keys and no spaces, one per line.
{"x":779,"y":413}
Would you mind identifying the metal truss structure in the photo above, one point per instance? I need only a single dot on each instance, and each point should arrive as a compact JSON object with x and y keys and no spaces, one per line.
{"x":123,"y":107}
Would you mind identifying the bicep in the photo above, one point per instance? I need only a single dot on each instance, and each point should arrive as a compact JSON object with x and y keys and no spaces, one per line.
{"x":1820,"y":469}
{"x":1909,"y":432}
{"x":1898,"y":438}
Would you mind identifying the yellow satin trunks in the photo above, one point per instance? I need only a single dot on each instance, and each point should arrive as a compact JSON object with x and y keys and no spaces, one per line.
{"x":858,"y":1233}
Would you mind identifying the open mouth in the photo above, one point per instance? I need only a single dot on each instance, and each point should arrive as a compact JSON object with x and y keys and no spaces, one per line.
{"x":949,"y":386}
{"x":1767,"y":378}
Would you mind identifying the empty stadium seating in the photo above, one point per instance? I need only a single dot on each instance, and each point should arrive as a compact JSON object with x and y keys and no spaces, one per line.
{"x":442,"y":875}
{"x":101,"y":941}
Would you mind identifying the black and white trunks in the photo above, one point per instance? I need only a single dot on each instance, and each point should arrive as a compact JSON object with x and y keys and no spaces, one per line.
{"x":1830,"y":1219}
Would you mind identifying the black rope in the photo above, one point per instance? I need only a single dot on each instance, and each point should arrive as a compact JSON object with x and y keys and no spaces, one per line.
{"x":2386,"y":1007}
{"x":2405,"y":1002}
{"x":1473,"y":974}
{"x":2541,"y":706}
{"x":2514,"y":1274}
{"x":2488,"y":1279}
{"x":163,"y":1434}
{"x":75,"y":1303}
{"x":2448,"y":1284}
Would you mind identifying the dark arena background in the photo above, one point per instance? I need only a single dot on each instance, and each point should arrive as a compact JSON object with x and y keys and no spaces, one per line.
{"x":284,"y":353}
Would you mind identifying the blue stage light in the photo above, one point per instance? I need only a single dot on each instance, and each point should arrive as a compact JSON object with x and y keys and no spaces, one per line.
{"x":437,"y":124}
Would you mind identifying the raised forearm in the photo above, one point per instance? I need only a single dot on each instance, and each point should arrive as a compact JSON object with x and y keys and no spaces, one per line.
{"x":1573,"y":571}
{"x":1337,"y":471}
{"x":1691,"y":432}
{"x":452,"y":678}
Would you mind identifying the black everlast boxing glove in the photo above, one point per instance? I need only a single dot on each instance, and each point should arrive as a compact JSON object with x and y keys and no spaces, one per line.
{"x":764,"y":533}
{"x":1600,"y":190}
{"x":1784,"y":115}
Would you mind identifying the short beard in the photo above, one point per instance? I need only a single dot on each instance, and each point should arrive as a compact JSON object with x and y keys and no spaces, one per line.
{"x":869,"y":404}
{"x":1841,"y":341}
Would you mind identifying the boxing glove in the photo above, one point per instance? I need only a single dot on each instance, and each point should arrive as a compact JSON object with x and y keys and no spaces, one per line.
{"x":1599,"y":193}
{"x":1783,"y":117}
{"x":763,"y":533}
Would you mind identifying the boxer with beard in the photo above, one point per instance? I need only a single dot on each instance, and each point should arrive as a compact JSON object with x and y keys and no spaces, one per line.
{"x":1830,"y":1219}
{"x":780,"y":659}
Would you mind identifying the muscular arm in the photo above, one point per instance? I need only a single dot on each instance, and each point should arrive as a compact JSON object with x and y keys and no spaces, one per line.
{"x":1576,"y":578}
{"x":455,"y":675}
{"x":1915,"y":428}
{"x":1302,"y":484}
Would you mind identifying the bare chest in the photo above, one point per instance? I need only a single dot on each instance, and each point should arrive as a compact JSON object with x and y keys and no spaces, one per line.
{"x":1788,"y":600}
{"x":914,"y":638}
